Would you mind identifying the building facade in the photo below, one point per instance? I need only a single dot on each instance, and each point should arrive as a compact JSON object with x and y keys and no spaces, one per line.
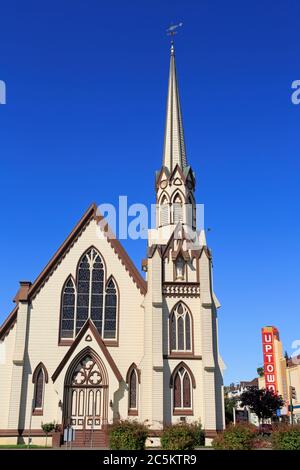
{"x":281,"y":374}
{"x":91,"y":341}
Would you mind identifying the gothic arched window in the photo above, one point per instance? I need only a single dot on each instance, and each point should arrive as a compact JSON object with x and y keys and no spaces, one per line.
{"x":180,"y":329}
{"x":110,"y":312}
{"x":164,"y":211}
{"x":90,"y":278}
{"x":191,"y":212}
{"x":87,"y":298}
{"x":133,"y":380}
{"x":182,"y":390}
{"x":39,"y":378}
{"x":177,"y":209}
{"x":182,"y":382}
{"x":68,"y":309}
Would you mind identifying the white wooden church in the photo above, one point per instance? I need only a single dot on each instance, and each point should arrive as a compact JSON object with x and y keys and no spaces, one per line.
{"x":91,"y":341}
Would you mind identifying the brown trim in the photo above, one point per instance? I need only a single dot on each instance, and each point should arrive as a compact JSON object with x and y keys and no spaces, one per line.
{"x":36,"y":371}
{"x":8,"y":324}
{"x":133,"y":366}
{"x":88,"y":325}
{"x":183,"y":356}
{"x":132,"y":412}
{"x":37,"y":412}
{"x":182,"y":364}
{"x":62,"y":250}
{"x":65,"y":342}
{"x":22,"y":432}
{"x":211,"y":433}
{"x":183,"y":412}
{"x":90,"y":214}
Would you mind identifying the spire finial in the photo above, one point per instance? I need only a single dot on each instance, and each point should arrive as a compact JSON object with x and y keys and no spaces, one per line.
{"x":174,"y":146}
{"x":171,"y":31}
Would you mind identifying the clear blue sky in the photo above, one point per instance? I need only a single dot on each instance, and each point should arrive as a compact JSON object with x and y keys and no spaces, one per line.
{"x":84,"y":121}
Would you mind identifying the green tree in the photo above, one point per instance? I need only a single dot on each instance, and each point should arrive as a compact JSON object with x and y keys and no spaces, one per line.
{"x":230,"y":404}
{"x":260,"y":371}
{"x":47,"y":428}
{"x":264,"y":403}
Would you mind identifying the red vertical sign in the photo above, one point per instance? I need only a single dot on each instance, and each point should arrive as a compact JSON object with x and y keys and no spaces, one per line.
{"x":269,"y":359}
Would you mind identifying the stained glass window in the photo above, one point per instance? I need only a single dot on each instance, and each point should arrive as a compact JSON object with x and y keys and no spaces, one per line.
{"x":133,"y":390}
{"x":110,"y":315}
{"x":68,"y":309}
{"x":182,"y":398}
{"x":39,"y":389}
{"x":88,"y":299}
{"x":90,"y":278}
{"x":180,"y":329}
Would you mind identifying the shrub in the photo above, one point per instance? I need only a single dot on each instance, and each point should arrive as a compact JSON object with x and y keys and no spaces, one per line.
{"x":262,"y":442}
{"x":285,"y":437}
{"x":127,"y":435}
{"x":182,"y":436}
{"x":199,"y":434}
{"x":236,"y":437}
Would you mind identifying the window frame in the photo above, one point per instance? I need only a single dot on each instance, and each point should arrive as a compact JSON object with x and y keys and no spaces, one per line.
{"x":176,"y":351}
{"x":40,"y":369}
{"x":113,"y":341}
{"x":133,"y":411}
{"x":182,"y":410}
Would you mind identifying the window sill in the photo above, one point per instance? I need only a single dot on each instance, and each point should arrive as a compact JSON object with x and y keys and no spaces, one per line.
{"x":183,"y":412}
{"x":69,"y":342}
{"x":133,"y":412}
{"x":37,"y":412}
{"x":180,"y":354}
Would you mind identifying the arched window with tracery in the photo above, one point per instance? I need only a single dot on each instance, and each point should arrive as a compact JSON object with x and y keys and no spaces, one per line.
{"x":110,"y":313}
{"x":180,"y":329}
{"x":182,"y":382}
{"x":133,"y":380}
{"x":88,"y":297}
{"x":90,"y":278}
{"x":177,"y":209}
{"x":164,"y":211}
{"x":39,"y":378}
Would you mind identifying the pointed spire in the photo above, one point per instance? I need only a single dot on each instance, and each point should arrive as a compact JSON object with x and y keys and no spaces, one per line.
{"x":174,"y":146}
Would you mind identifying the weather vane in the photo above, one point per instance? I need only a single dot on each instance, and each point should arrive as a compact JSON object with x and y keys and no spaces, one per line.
{"x":171,"y":31}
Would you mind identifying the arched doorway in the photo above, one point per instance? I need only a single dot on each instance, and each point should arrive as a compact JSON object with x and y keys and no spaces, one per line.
{"x":86,"y":396}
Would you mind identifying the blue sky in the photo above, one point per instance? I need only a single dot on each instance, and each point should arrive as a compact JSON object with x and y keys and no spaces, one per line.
{"x":84,"y":121}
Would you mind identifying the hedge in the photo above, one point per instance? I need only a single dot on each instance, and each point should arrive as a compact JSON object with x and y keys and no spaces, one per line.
{"x":236,"y":437}
{"x":127,"y":435}
{"x":182,"y":436}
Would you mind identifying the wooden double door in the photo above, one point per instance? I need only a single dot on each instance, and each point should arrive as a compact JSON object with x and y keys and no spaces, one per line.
{"x":86,"y":392}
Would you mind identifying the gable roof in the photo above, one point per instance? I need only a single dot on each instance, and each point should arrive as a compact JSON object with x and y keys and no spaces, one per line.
{"x":88,"y":325}
{"x":90,"y":214}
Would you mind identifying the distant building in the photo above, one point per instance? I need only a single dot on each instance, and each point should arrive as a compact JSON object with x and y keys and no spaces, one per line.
{"x":242,"y":414}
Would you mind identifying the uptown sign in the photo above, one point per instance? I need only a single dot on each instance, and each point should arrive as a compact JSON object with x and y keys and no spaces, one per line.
{"x":269,"y":358}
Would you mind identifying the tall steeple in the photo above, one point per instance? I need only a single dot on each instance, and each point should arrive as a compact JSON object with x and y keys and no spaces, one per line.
{"x":174,"y":146}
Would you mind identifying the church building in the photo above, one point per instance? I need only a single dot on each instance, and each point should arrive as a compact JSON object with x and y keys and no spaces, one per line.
{"x":92,"y":341}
